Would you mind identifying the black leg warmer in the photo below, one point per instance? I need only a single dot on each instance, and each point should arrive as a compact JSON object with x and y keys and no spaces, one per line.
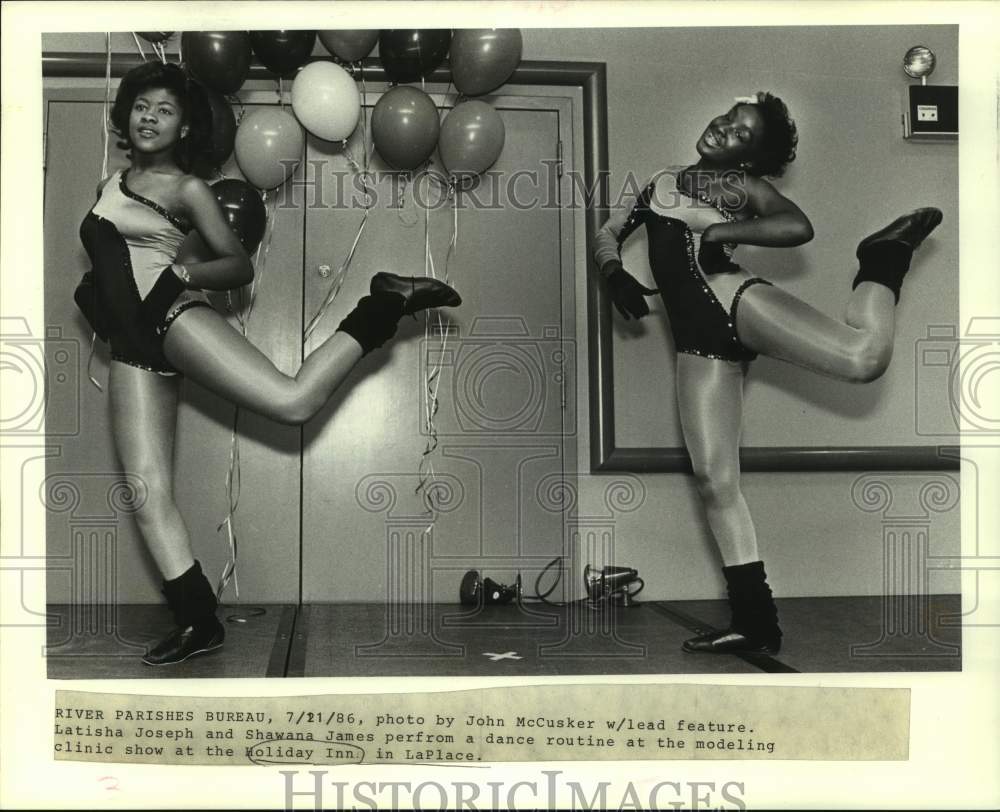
{"x":192,"y":600}
{"x":373,"y":320}
{"x":885,"y":262}
{"x":754,"y":627}
{"x":754,"y":612}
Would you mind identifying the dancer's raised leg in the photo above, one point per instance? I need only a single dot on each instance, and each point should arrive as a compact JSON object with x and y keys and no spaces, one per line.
{"x":773,"y":322}
{"x":202,"y":345}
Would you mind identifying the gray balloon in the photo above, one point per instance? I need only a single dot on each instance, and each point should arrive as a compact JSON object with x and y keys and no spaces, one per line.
{"x":349,"y":45}
{"x":405,"y":127}
{"x":482,"y":59}
{"x":472,"y":137}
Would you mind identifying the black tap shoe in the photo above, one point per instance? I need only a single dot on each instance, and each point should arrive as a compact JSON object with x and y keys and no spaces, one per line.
{"x":183,"y":643}
{"x":419,"y":292}
{"x":730,"y":642}
{"x":910,"y":229}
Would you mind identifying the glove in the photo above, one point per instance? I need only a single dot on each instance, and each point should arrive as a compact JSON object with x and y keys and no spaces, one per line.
{"x":167,"y":287}
{"x":713,"y":259}
{"x":627,"y":293}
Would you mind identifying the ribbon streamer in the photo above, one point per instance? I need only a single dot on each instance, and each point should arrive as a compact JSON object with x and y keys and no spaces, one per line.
{"x":367,"y":150}
{"x":234,"y":476}
{"x":432,"y":378}
{"x":104,"y":174}
{"x":142,"y":53}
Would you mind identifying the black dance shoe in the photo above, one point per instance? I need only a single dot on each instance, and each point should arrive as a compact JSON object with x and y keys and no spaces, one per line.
{"x":910,"y":229}
{"x":419,"y":292}
{"x":730,"y":642}
{"x":183,"y":643}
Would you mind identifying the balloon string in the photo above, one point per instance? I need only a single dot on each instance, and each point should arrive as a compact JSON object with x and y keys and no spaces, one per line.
{"x":180,"y":53}
{"x":90,"y":361}
{"x":107,"y":103}
{"x":234,"y":476}
{"x":432,"y":379}
{"x":137,"y":45}
{"x":338,"y":280}
{"x":162,"y":50}
{"x":106,"y":137}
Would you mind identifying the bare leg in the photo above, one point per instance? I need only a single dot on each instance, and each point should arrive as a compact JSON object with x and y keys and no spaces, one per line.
{"x":773,"y":322}
{"x":202,"y":345}
{"x":710,"y":399}
{"x":143,"y":421}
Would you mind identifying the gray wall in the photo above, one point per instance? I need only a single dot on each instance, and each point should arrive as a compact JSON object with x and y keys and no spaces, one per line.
{"x":844,"y":87}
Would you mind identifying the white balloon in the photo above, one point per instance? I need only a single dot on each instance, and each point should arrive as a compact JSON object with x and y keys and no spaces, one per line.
{"x":326,"y":101}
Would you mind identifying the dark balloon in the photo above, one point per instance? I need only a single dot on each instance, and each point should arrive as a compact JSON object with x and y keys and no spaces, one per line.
{"x":405,"y":127}
{"x":219,"y":59}
{"x":155,"y":36}
{"x":482,"y":59}
{"x":283,"y":52}
{"x":223,"y":126}
{"x":349,"y":45}
{"x":243,"y":209}
{"x":244,"y":212}
{"x":408,"y":55}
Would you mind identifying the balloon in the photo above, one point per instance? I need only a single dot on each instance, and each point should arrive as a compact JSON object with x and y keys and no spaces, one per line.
{"x":220,"y":59}
{"x":326,"y":101}
{"x":482,"y":59}
{"x":410,"y":54}
{"x":349,"y":45}
{"x":155,"y":36}
{"x":223,"y":126}
{"x":472,"y":138}
{"x":269,"y":146}
{"x":405,"y":127}
{"x":243,"y":209}
{"x":244,"y":212}
{"x":282,"y":52}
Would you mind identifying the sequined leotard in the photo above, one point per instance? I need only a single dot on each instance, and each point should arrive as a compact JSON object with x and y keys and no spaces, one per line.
{"x":699,"y":322}
{"x":131,"y":240}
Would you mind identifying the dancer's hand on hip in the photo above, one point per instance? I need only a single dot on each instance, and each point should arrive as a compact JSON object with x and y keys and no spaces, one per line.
{"x":714,"y":257}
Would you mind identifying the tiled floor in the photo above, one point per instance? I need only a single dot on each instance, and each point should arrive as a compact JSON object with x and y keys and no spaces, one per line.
{"x":821,"y":635}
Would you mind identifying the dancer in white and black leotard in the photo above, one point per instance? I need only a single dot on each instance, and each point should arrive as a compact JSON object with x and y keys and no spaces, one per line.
{"x":147,"y":301}
{"x":721,"y":317}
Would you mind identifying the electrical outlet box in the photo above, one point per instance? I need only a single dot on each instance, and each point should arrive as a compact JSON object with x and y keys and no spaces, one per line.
{"x":931,"y":113}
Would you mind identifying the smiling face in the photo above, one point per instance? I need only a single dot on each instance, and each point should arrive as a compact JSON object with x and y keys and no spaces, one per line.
{"x":732,"y":138}
{"x":156,"y":120}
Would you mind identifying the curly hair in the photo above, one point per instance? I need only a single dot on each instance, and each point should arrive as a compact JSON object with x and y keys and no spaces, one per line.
{"x":777,"y":148}
{"x":193,"y":152}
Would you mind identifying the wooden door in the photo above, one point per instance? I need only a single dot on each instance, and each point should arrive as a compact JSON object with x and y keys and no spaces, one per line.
{"x":505,"y":423}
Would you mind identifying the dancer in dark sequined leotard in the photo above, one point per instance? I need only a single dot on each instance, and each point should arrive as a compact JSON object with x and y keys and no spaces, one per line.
{"x":146,"y":299}
{"x":722,"y":317}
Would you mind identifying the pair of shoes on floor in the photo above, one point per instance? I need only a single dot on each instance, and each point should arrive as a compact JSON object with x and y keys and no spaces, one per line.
{"x":418,"y":292}
{"x":183,"y":643}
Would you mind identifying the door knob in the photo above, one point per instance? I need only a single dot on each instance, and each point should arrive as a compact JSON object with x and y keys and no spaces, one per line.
{"x":323,"y":270}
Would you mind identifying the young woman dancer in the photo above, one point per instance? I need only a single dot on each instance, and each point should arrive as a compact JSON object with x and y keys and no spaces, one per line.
{"x":722,"y":317}
{"x":145,"y":300}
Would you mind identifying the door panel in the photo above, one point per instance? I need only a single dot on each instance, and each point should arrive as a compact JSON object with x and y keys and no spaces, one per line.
{"x":501,"y":368}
